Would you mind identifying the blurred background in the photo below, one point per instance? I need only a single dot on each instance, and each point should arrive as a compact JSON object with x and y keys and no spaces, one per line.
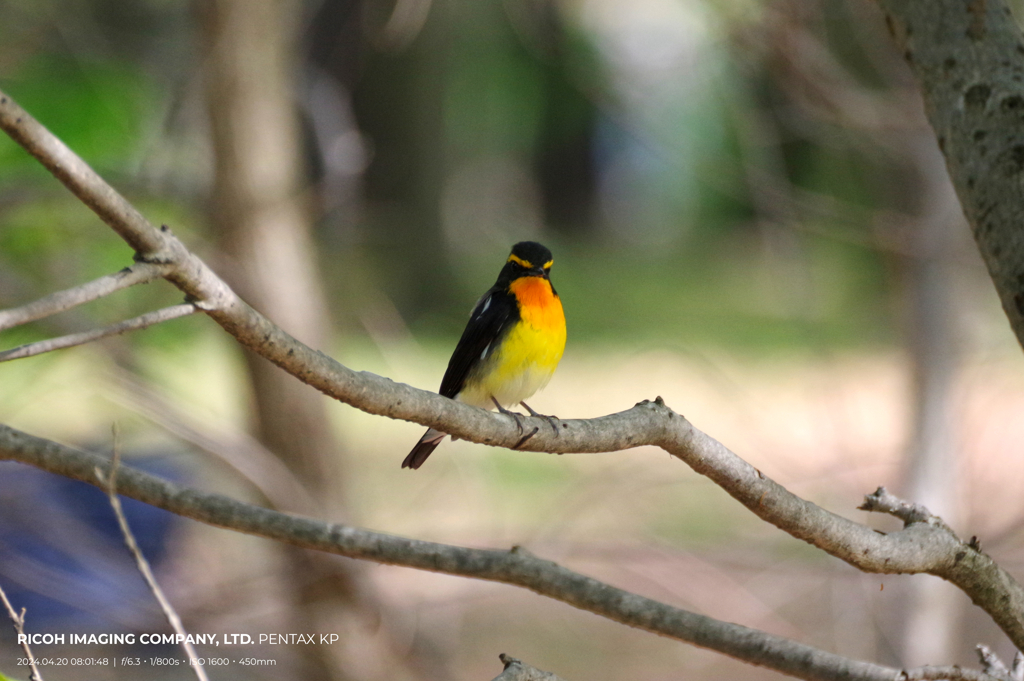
{"x":749,"y":217}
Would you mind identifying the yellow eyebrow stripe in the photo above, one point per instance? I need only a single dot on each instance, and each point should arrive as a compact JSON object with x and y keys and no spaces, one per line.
{"x":548,"y":264}
{"x":517,"y":259}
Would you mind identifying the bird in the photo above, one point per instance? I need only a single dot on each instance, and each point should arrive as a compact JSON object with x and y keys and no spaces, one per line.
{"x":511,"y":346}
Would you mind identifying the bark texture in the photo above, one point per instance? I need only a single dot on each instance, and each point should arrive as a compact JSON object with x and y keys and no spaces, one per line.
{"x":968,"y":57}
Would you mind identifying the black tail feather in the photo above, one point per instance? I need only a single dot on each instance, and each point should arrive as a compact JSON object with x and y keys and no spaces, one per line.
{"x":430,"y":440}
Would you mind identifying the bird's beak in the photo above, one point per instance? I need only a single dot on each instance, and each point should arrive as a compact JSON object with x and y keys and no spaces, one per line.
{"x":539,"y":272}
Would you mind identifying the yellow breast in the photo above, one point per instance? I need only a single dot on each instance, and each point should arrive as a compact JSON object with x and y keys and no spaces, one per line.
{"x":530,"y":352}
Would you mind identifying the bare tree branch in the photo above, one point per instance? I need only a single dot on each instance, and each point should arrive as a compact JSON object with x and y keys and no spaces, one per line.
{"x":73,"y":339}
{"x":19,"y":630}
{"x":108,"y":480}
{"x":517,"y":567}
{"x":139,"y":273}
{"x":917,"y":548}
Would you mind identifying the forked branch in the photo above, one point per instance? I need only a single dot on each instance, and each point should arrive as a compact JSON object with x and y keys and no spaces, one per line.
{"x":18,"y":620}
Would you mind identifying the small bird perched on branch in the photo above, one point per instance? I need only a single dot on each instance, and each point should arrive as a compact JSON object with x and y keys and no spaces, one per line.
{"x":511,"y":346}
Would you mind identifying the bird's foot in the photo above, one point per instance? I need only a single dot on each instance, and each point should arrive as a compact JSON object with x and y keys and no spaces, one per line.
{"x":553,"y":420}
{"x":515,"y":416}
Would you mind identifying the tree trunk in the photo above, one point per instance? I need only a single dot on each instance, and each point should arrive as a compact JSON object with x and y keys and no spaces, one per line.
{"x":932,"y":615}
{"x":258,"y":211}
{"x":263,"y":228}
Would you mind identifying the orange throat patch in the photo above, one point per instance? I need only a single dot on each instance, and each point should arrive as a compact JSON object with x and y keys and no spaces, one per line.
{"x":538,"y":305}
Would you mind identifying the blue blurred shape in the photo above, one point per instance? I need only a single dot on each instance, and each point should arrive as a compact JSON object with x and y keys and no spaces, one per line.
{"x":62,"y":556}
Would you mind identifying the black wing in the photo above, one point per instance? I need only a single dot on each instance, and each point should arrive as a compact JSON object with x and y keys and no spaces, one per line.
{"x":493,"y":315}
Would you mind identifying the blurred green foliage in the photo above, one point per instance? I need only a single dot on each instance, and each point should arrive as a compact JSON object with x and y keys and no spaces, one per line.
{"x":99,"y":108}
{"x":702,"y":275}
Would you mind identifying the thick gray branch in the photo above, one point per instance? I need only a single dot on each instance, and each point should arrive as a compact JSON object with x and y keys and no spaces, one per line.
{"x":968,"y":56}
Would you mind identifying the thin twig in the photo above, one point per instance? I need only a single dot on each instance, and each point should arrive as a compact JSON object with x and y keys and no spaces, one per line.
{"x":883,"y":501}
{"x":110,"y":482}
{"x":61,"y":301}
{"x":994,"y":667}
{"x":990,"y":662}
{"x":19,"y":629}
{"x":71,"y":340}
